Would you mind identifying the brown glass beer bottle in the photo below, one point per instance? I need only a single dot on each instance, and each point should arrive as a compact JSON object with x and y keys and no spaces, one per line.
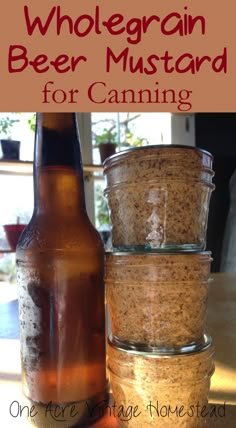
{"x":60,"y":262}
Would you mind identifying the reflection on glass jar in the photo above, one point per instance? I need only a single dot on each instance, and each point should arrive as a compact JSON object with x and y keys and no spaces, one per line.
{"x":158,"y":390}
{"x":158,"y":300}
{"x":159,"y":198}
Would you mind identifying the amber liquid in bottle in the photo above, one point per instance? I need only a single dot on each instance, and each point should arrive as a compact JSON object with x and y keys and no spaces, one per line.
{"x":60,"y":262}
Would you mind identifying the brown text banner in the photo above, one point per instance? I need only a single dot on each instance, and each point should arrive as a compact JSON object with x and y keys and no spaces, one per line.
{"x":164,"y":55}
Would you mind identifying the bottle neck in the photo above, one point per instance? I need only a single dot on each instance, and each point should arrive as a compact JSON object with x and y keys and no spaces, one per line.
{"x":58,"y":174}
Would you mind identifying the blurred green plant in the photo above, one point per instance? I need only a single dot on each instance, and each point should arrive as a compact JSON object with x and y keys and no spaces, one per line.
{"x":32,"y":122}
{"x":102,"y":211}
{"x":8,"y":121}
{"x":6,"y":125}
{"x":8,"y":267}
{"x":107,"y":136}
{"x":124,"y":137}
{"x":133,"y":141}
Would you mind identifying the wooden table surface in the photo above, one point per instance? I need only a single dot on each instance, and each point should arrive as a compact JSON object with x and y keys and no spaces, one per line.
{"x":221,"y":324}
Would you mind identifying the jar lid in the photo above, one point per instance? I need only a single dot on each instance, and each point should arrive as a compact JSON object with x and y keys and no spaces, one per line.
{"x":161,"y":147}
{"x":138,"y":350}
{"x":146,"y":254}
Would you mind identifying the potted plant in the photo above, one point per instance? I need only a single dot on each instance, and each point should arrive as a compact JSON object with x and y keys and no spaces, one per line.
{"x":13,"y":232}
{"x":106,"y":139}
{"x":10,"y":147}
{"x":106,"y":142}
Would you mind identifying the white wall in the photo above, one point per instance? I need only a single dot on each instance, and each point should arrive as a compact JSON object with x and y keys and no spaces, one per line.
{"x":183,"y":129}
{"x":85,"y":132}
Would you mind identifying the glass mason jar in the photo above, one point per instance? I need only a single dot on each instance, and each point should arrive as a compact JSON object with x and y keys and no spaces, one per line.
{"x":159,"y":198}
{"x":156,"y":390}
{"x":158,"y":300}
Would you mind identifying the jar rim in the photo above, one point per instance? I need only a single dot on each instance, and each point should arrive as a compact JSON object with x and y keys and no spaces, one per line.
{"x":191,"y":254}
{"x":123,"y":153}
{"x":160,"y":353}
{"x":153,"y":283}
{"x":155,"y":183}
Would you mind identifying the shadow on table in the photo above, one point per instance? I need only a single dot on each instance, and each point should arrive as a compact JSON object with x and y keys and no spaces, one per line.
{"x":226,"y":416}
{"x":221,"y":319}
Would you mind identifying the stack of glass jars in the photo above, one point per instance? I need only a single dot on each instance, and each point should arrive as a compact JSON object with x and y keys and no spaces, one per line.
{"x":159,"y":358}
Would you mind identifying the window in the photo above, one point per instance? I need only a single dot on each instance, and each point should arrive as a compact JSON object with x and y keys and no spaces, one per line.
{"x":124,"y":129}
{"x":129,"y":130}
{"x":18,"y":126}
